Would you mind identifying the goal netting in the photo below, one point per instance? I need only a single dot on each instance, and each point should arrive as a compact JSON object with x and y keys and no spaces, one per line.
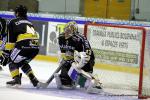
{"x":123,"y":57}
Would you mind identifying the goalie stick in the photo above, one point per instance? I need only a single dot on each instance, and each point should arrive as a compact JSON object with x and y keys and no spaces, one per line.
{"x":45,"y":85}
{"x":60,"y":61}
{"x":52,"y":76}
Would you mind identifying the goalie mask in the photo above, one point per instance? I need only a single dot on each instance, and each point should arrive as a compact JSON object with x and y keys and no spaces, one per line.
{"x":70,"y":28}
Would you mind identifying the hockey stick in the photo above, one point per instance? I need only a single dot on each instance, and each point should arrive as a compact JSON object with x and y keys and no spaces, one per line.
{"x":52,"y":76}
{"x":60,"y":62}
{"x":45,"y":85}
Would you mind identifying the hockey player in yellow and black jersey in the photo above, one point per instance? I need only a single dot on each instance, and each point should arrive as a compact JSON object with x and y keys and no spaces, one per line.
{"x":77,"y":60}
{"x":2,"y":31}
{"x":21,"y":47}
{"x":2,"y":26}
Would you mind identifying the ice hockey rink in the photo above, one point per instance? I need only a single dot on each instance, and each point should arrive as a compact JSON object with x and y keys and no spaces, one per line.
{"x":43,"y":71}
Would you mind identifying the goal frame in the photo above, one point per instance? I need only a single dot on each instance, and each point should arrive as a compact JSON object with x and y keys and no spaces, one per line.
{"x":142,"y":51}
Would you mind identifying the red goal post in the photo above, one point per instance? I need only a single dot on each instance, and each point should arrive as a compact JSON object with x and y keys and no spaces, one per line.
{"x":120,"y":45}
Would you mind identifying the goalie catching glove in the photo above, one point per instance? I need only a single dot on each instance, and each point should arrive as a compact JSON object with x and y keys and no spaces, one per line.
{"x":81,"y":59}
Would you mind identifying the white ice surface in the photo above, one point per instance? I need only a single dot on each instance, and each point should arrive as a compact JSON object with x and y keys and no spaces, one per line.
{"x":43,"y":71}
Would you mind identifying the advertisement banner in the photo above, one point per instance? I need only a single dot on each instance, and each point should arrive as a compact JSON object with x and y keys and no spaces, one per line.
{"x":116,"y":45}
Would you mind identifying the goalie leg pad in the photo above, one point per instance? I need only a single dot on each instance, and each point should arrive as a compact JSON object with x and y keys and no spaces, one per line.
{"x":75,"y":75}
{"x":58,"y":80}
{"x":80,"y":78}
{"x":85,"y":80}
{"x":82,"y":81}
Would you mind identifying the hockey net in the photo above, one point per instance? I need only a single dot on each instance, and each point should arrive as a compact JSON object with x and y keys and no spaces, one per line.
{"x":122,"y":55}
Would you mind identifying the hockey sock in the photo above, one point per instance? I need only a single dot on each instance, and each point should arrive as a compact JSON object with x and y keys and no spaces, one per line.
{"x":28,"y":71}
{"x":14,"y":73}
{"x":33,"y":79}
{"x":14,"y":70}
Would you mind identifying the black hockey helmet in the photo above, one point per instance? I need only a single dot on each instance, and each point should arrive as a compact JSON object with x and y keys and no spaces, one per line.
{"x":21,"y":10}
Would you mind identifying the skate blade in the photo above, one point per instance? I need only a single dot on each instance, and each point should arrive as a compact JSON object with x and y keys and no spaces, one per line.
{"x":13,"y":86}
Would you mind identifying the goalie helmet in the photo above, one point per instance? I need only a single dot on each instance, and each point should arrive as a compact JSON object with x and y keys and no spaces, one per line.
{"x":70,"y":29}
{"x":21,"y":11}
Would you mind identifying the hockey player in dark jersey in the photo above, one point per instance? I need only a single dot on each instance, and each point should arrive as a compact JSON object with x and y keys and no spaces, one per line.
{"x":22,"y":47}
{"x":2,"y":31}
{"x":2,"y":26}
{"x":77,"y":60}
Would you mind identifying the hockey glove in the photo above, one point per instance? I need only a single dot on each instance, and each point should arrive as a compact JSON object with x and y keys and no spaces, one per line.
{"x":4,"y":59}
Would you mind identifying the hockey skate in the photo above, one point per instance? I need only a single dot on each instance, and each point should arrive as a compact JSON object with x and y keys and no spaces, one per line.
{"x":35,"y":82}
{"x":16,"y":82}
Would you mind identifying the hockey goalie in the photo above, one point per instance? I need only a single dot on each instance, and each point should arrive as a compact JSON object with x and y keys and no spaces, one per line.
{"x":77,"y":61}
